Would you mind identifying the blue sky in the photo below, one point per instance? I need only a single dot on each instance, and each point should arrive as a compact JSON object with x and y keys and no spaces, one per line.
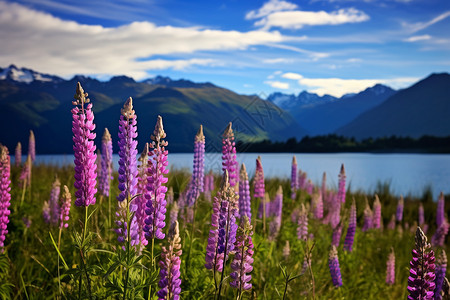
{"x":251,"y":47}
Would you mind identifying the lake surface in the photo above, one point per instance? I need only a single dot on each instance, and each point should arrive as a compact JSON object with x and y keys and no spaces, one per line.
{"x":406,"y":173}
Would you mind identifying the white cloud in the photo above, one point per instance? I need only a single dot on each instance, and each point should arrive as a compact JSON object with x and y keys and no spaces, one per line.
{"x":418,"y":38}
{"x":278,"y":60}
{"x":298,"y":19}
{"x":270,"y":7}
{"x":414,"y":27}
{"x":48,"y":44}
{"x":293,"y":76}
{"x":354,"y":60}
{"x":278,"y":84}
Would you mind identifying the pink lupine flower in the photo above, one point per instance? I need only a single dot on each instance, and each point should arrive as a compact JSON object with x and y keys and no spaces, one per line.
{"x":377,"y":213}
{"x":46,"y":212}
{"x":18,"y":156}
{"x":301,"y":179}
{"x":294,"y":182}
{"x":341,"y":187}
{"x":391,"y":224}
{"x":302,"y":229}
{"x":350,"y":237}
{"x":440,"y":212}
{"x":309,"y":187}
{"x":399,"y":213}
{"x":368,"y":217}
{"x":65,"y":203}
{"x":317,"y":205}
{"x":229,"y":162}
{"x":390,"y":268}
{"x":5,"y":193}
{"x":335,"y":270}
{"x":25,"y":173}
{"x":106,"y":164}
{"x":54,"y":202}
{"x":156,"y":191}
{"x":32,"y":146}
{"x":259,"y":180}
{"x":84,"y":149}
{"x":335,"y":211}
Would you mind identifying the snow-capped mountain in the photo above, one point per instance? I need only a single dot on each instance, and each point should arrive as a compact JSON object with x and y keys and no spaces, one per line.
{"x":13,"y":73}
{"x":304,"y":99}
{"x":180,"y":83}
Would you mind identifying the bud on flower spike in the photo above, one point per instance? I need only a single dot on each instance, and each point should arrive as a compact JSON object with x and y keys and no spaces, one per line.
{"x":5,"y":193}
{"x":198,"y":171}
{"x":229,"y":162}
{"x":259,"y":179}
{"x":335,"y":271}
{"x":32,"y":146}
{"x":242,"y":262}
{"x":350,"y":237}
{"x":106,"y":163}
{"x":341,"y":188}
{"x":18,"y":158}
{"x":65,"y":203}
{"x":377,"y":213}
{"x":244,"y":194}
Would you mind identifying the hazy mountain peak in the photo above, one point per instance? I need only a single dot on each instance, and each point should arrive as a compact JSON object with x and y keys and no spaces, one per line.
{"x":24,"y":75}
{"x":180,"y":83}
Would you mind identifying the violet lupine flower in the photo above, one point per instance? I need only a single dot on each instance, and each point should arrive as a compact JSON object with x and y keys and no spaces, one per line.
{"x":309,"y":187}
{"x":335,"y":211}
{"x":341,"y":185}
{"x":259,"y":180}
{"x":302,"y":229}
{"x":440,"y":212}
{"x":294,"y":182}
{"x":46,"y":212}
{"x":276,"y":210}
{"x":244,"y":194}
{"x":421,"y":215}
{"x":242,"y":262}
{"x":376,"y":213}
{"x":140,"y":200}
{"x":301,"y":179}
{"x":198,"y":170}
{"x":229,"y":162}
{"x":84,"y":149}
{"x":336,"y":237}
{"x":317,"y":205}
{"x":390,"y":268}
{"x":18,"y":156}
{"x":170,"y":281}
{"x":335,"y":270}
{"x":156,"y":191}
{"x":5,"y":193}
{"x":65,"y":203}
{"x":106,"y":164}
{"x":441,"y":269}
{"x":32,"y":146}
{"x":227,"y":227}
{"x":421,"y":275}
{"x":54,"y":202}
{"x":438,"y":238}
{"x":350,"y":237}
{"x":368,"y":218}
{"x":399,"y":213}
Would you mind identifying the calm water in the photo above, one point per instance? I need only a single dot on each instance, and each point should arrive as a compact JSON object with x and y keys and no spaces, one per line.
{"x":407,"y":173}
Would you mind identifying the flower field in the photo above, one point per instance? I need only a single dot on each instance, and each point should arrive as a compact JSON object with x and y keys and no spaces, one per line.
{"x":149,"y":231}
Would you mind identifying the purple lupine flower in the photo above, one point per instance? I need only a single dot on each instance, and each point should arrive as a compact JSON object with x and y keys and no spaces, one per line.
{"x":309,"y":187}
{"x":259,"y":180}
{"x":276,"y":210}
{"x":350,"y":237}
{"x":301,"y":179}
{"x":170,"y":281}
{"x":390,"y":268}
{"x":198,"y":171}
{"x":140,"y":200}
{"x":317,"y":201}
{"x":376,"y":213}
{"x":391,"y":224}
{"x":421,"y":215}
{"x":441,"y":269}
{"x":335,"y":211}
{"x":335,"y":270}
{"x":324,"y":188}
{"x":106,"y":164}
{"x":438,"y":238}
{"x":242,"y":262}
{"x":32,"y":146}
{"x":341,"y":185}
{"x":27,"y":222}
{"x":209,"y":185}
{"x":399,"y":213}
{"x":440,"y":212}
{"x":46,"y":212}
{"x":18,"y":156}
{"x":294,"y":182}
{"x":174,"y":213}
{"x":421,"y":275}
{"x":302,"y":229}
{"x":54,"y":202}
{"x":5,"y":193}
{"x":25,"y":173}
{"x":336,"y":237}
{"x":244,"y":194}
{"x":84,"y":149}
{"x":156,"y":191}
{"x":227,"y":227}
{"x":65,"y":203}
{"x":229,"y":162}
{"x":368,"y":217}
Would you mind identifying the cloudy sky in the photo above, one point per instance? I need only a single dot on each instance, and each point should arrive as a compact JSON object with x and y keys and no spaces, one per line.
{"x":251,"y":47}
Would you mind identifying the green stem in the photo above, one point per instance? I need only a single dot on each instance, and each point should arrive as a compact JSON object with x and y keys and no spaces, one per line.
{"x":192,"y":238}
{"x":109,"y":207}
{"x":285,"y":288}
{"x":23,"y":191}
{"x":82,"y":252}
{"x":128,"y":251}
{"x":59,"y":275}
{"x":227,"y":232}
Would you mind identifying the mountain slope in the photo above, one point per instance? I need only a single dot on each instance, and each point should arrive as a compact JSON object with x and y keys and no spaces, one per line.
{"x":421,"y":109}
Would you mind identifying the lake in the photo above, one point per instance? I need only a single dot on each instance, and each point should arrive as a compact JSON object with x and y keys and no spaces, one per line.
{"x":406,"y":173}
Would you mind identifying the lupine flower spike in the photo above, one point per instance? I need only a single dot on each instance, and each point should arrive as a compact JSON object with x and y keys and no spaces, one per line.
{"x":276,"y":209}
{"x":421,"y":275}
{"x":335,"y":271}
{"x":438,"y":238}
{"x":302,"y":229}
{"x":242,"y":262}
{"x":5,"y":193}
{"x":229,"y":162}
{"x":106,"y":164}
{"x":317,"y":200}
{"x":376,"y":213}
{"x":399,"y":213}
{"x":368,"y":217}
{"x":170,"y":281}
{"x":350,"y":237}
{"x":440,"y":212}
{"x":441,"y":268}
{"x":198,"y":171}
{"x":140,"y":199}
{"x":341,"y":188}
{"x":18,"y":156}
{"x":128,"y":174}
{"x":65,"y":203}
{"x":390,"y":268}
{"x":156,"y":191}
{"x":336,"y":237}
{"x":25,"y":173}
{"x":294,"y":182}
{"x":84,"y":149}
{"x":259,"y":179}
{"x":32,"y":146}
{"x":54,"y":202}
{"x":244,"y":194}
